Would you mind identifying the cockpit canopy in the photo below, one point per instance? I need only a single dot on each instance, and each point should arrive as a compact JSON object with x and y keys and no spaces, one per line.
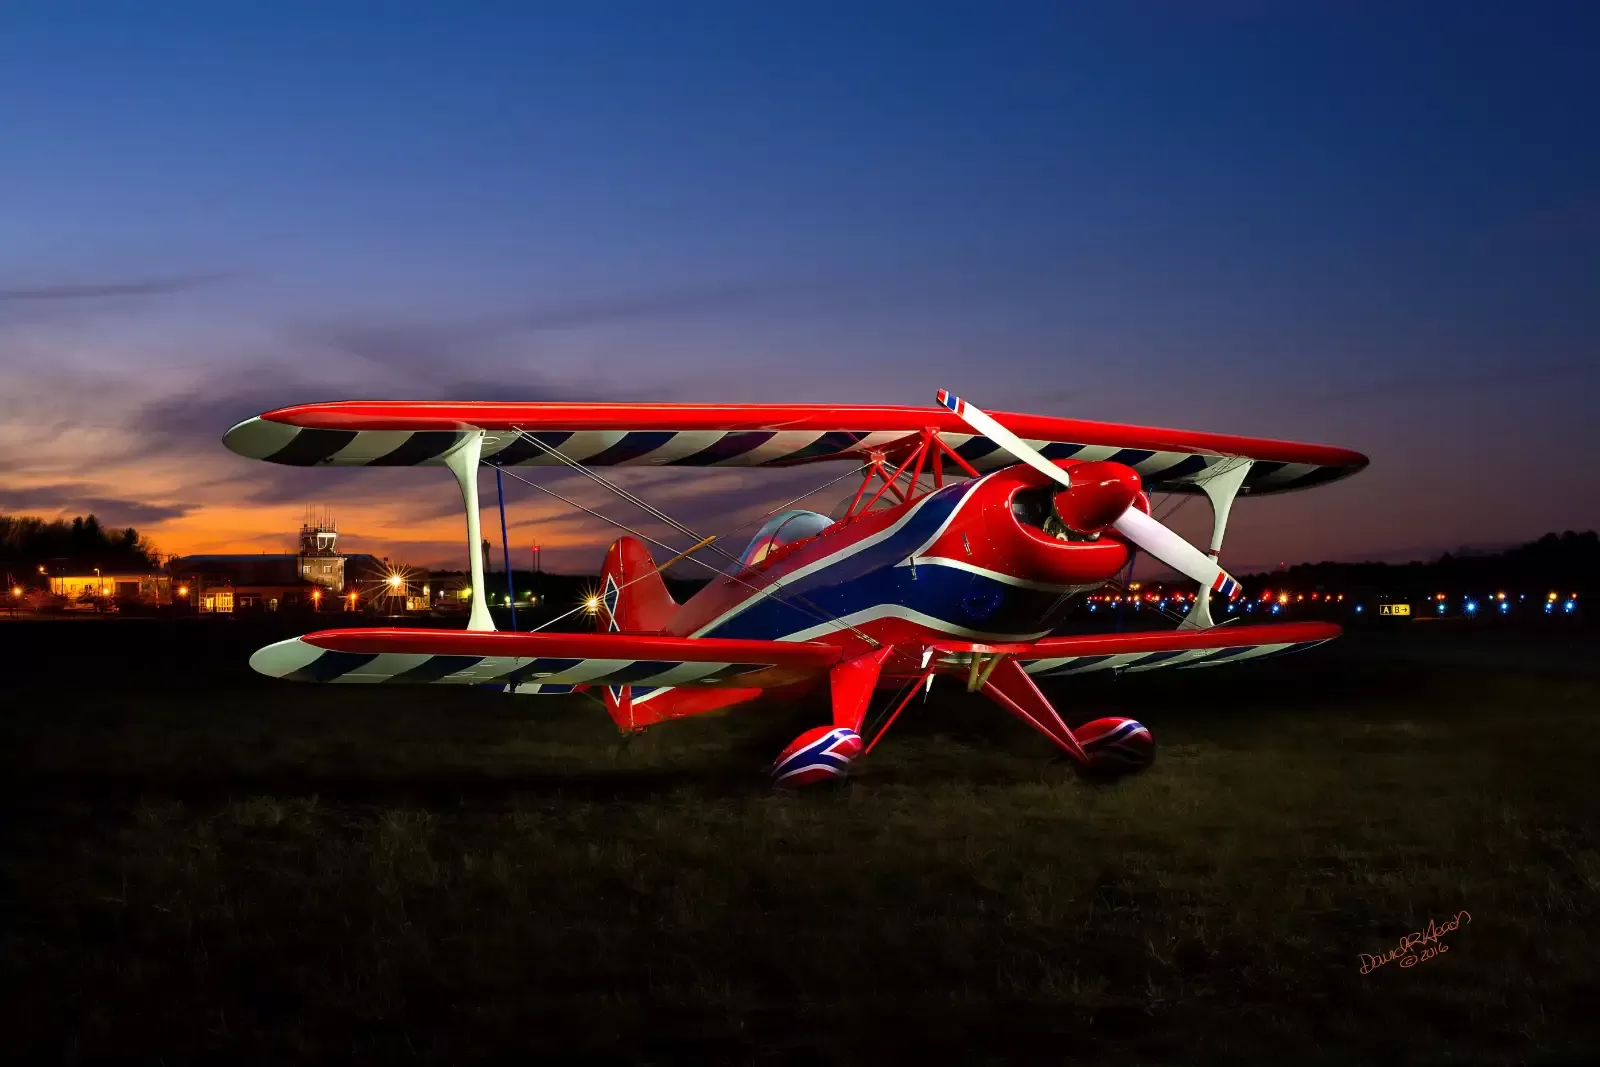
{"x":783,"y":528}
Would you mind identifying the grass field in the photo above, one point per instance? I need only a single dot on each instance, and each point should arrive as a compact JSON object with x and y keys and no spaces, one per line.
{"x":205,"y":862}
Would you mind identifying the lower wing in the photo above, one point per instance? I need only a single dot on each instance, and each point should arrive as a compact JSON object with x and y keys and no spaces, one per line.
{"x":541,"y":662}
{"x":1052,"y":657}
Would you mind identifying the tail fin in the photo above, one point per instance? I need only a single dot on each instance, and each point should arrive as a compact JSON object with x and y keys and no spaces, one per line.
{"x":632,"y":595}
{"x":632,"y":598}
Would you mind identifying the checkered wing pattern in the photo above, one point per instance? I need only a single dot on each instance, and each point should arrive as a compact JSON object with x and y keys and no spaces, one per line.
{"x":406,"y":433}
{"x":539,"y":662}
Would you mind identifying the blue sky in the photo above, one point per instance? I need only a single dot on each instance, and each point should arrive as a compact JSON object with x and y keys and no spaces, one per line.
{"x":1376,"y":225}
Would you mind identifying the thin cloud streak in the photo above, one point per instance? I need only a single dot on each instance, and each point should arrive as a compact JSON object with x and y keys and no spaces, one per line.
{"x":73,"y":500}
{"x":162,"y":286}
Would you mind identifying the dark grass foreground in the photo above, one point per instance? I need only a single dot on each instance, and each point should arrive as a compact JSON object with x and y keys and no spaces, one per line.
{"x":203,"y":862}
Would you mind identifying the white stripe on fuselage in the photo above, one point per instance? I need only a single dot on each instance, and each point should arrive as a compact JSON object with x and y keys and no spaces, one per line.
{"x":828,"y":561}
{"x":1019,"y":583}
{"x":972,"y":487}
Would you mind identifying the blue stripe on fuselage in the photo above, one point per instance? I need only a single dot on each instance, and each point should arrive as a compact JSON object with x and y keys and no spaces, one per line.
{"x":870,"y":577}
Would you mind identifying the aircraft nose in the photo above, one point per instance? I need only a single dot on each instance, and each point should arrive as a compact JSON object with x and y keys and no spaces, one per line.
{"x":1101,"y":491}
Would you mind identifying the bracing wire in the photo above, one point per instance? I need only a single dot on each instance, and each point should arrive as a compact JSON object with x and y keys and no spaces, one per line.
{"x":794,"y":600}
{"x":604,"y":518}
{"x":815,"y":611}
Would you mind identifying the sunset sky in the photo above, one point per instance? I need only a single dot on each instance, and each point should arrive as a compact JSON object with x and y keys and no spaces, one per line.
{"x":1375,"y":225}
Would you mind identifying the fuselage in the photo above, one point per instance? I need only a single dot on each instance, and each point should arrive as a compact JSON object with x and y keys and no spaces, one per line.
{"x":965,"y":562}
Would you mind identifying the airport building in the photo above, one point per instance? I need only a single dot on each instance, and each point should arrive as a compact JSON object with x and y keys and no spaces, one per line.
{"x":94,"y":587}
{"x":319,"y":577}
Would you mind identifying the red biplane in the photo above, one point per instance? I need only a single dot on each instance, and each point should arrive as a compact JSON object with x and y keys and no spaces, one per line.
{"x":968,"y":540}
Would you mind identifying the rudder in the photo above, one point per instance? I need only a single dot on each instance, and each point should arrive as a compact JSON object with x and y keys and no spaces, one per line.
{"x":633,"y":598}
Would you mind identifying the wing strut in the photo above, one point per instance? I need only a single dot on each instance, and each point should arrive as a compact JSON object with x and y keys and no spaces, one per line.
{"x":463,"y":463}
{"x":1220,"y":489}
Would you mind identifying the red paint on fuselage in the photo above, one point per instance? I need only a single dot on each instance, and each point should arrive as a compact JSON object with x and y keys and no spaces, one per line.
{"x":985,"y":535}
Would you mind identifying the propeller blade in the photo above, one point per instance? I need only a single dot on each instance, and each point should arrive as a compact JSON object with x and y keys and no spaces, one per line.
{"x":1175,"y":552}
{"x":983,"y":424}
{"x":1135,"y":525}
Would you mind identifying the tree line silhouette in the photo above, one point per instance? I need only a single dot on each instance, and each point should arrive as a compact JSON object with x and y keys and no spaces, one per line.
{"x":1567,"y":562}
{"x":27,"y":542}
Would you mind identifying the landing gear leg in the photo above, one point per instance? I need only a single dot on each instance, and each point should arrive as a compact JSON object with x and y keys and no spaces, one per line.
{"x":1009,"y":686}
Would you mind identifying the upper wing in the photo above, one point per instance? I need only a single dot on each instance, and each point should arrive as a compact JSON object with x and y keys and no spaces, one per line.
{"x":1148,"y":649}
{"x":540,"y":662}
{"x":388,"y":433}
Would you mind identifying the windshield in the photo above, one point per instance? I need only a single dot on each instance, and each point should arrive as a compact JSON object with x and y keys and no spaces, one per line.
{"x":782,"y":529}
